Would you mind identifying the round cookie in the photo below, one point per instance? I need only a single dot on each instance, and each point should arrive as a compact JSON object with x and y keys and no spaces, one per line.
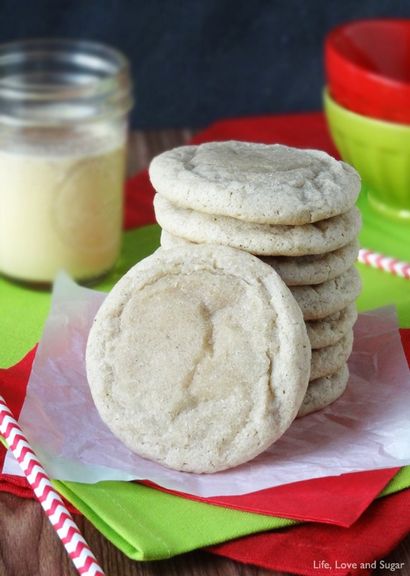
{"x":322,"y":300}
{"x":324,"y":391}
{"x":297,"y":270}
{"x":328,"y":360}
{"x":199,"y":358}
{"x":267,"y":184}
{"x":262,"y":239}
{"x":332,"y":328}
{"x":168,"y":240}
{"x":314,"y":268}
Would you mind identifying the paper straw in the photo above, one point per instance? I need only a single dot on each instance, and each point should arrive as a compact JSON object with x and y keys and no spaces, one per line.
{"x":385,"y":263}
{"x":61,"y":519}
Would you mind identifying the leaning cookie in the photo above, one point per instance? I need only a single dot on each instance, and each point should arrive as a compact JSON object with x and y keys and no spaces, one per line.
{"x":266,"y":184}
{"x":322,"y":300}
{"x":324,"y":391}
{"x":297,"y":270}
{"x":199,"y":358}
{"x":328,"y":360}
{"x":168,"y":240}
{"x":261,"y":239}
{"x":331,"y":329}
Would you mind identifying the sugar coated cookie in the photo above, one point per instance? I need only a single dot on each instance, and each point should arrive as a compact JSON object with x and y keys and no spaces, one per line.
{"x":297,"y":270}
{"x":324,"y":391}
{"x":331,"y":329}
{"x":199,"y":358}
{"x":268,"y":184}
{"x":328,"y":360}
{"x":261,"y":239}
{"x":322,"y":300}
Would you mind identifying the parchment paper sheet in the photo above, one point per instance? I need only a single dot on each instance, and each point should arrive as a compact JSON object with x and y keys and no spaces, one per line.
{"x":368,"y":428}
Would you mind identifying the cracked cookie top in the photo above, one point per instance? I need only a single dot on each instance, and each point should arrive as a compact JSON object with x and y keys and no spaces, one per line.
{"x":262,"y":239}
{"x":199,"y":358}
{"x":266,"y":184}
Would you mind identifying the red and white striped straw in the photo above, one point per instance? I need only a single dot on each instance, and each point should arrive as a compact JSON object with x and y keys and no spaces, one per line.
{"x":61,"y":519}
{"x":385,"y":263}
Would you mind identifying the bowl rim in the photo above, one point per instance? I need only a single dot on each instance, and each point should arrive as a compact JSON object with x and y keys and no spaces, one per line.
{"x":366,"y":75}
{"x":376,"y":122}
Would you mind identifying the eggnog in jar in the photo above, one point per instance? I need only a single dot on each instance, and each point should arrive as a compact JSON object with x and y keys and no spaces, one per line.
{"x":64,"y":108}
{"x":60,"y":209}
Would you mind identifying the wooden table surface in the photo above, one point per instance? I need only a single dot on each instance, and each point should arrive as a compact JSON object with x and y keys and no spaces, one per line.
{"x":28,"y":544}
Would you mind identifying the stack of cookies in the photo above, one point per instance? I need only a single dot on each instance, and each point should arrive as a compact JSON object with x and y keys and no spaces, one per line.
{"x":294,"y":209}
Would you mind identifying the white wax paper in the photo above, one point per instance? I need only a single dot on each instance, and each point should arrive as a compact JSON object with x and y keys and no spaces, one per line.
{"x":368,"y":428}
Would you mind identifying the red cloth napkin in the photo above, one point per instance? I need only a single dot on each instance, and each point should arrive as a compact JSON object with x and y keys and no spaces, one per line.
{"x":338,"y":500}
{"x":318,"y":550}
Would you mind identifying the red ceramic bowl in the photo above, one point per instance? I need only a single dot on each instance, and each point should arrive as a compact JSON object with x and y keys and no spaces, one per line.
{"x":368,"y":68}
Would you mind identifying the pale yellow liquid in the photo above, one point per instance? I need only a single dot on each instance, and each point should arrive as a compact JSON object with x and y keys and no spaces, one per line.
{"x":60,"y":211}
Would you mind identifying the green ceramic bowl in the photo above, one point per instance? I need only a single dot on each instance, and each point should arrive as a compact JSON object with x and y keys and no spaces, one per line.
{"x":380,"y":152}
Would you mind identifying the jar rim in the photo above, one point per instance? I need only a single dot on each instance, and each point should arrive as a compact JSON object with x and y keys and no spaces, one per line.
{"x":34,"y":72}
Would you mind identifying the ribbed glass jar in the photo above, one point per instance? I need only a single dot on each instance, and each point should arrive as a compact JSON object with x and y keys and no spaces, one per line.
{"x":64,"y":108}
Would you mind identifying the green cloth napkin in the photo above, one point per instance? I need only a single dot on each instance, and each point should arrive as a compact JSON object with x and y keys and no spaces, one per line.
{"x":146,"y":524}
{"x":401,"y":481}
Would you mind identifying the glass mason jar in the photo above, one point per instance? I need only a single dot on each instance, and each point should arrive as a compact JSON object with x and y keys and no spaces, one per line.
{"x":63,"y":128}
